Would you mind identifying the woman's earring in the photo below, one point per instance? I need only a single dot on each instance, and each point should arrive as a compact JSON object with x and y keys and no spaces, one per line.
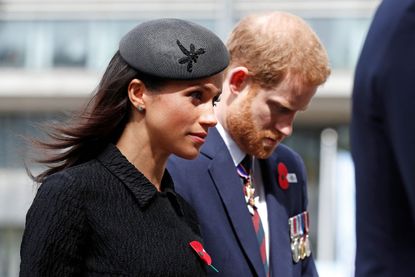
{"x":140,"y":109}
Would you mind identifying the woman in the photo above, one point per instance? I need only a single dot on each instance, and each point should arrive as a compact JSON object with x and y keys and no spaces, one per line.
{"x":106,"y":206}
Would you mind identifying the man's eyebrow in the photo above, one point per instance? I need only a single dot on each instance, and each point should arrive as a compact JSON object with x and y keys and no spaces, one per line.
{"x":276,"y":102}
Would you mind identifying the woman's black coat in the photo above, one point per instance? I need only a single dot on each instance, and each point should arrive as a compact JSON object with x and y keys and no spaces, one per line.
{"x":104,"y":218}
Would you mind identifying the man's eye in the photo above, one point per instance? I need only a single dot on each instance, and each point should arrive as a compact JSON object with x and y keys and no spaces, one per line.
{"x":282,"y":110}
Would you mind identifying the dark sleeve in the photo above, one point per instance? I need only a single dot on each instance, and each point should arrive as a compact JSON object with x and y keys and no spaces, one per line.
{"x":54,"y":235}
{"x":398,"y":94}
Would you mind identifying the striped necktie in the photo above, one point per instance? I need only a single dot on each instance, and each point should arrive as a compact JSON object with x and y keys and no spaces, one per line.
{"x":244,"y":170}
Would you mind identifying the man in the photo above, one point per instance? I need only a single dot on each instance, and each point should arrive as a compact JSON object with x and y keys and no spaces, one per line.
{"x":383,"y":144}
{"x":253,"y":218}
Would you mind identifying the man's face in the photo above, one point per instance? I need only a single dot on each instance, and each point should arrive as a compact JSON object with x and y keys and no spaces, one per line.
{"x":261,"y":118}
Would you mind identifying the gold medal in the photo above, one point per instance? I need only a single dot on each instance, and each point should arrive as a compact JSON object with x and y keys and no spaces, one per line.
{"x":302,"y":251}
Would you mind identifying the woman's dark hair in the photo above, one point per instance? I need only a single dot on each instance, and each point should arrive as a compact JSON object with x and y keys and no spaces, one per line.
{"x":87,"y":133}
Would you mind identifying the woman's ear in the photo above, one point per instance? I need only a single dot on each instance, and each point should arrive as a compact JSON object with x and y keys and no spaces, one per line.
{"x":136,"y":91}
{"x":238,"y":79}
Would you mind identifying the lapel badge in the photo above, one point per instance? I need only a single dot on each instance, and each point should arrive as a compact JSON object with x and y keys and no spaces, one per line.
{"x":300,"y":243}
{"x":201,"y":252}
{"x":284,"y":177}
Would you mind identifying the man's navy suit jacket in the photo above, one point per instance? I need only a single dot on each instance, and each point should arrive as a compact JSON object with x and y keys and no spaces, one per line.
{"x":211,"y":185}
{"x":383,"y":144}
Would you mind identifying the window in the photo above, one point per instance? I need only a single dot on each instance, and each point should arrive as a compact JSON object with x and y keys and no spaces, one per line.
{"x":15,"y":129}
{"x":342,"y":37}
{"x":69,"y":44}
{"x":12,"y":44}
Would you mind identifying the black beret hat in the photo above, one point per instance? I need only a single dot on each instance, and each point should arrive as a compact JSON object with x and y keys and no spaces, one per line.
{"x":174,"y":49}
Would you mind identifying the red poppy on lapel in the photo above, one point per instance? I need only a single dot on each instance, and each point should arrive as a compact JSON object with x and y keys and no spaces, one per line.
{"x":282,"y":176}
{"x":198,"y":247}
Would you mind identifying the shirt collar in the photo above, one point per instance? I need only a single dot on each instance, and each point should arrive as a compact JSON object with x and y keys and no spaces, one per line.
{"x":236,"y":153}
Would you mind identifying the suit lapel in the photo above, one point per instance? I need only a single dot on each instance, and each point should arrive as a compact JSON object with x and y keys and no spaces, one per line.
{"x":229,"y":186}
{"x":280,"y":261}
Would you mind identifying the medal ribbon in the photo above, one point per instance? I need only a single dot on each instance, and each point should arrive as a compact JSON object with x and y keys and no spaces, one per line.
{"x":245,"y":173}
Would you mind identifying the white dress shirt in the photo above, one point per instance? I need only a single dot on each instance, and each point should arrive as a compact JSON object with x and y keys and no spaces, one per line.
{"x":237,"y":156}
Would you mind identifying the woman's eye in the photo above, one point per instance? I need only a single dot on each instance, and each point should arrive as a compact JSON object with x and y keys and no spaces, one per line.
{"x":215,"y":100}
{"x":196,"y":95}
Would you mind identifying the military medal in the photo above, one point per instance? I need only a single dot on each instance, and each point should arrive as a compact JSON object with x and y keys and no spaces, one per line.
{"x":250,"y":194}
{"x":307,"y":246}
{"x":293,"y":223}
{"x":249,"y":190}
{"x":294,"y":250}
{"x":300,"y":242}
{"x":301,"y":246}
{"x":307,"y":240}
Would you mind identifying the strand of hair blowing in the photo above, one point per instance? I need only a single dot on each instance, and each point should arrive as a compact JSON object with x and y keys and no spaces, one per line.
{"x":86,"y":134}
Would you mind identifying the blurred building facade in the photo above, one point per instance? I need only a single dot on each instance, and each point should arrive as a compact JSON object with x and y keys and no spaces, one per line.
{"x":53,"y":52}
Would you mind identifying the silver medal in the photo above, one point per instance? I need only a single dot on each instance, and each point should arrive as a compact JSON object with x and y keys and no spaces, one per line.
{"x":294,"y":250}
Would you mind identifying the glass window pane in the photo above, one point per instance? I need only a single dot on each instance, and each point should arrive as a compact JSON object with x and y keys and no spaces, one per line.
{"x":342,"y":37}
{"x":12,"y":44}
{"x":70,"y":44}
{"x":15,"y":129}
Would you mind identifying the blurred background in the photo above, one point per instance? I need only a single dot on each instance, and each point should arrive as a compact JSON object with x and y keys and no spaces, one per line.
{"x":53,"y":52}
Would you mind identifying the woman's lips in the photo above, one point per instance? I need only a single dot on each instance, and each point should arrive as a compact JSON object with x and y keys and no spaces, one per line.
{"x":198,"y":137}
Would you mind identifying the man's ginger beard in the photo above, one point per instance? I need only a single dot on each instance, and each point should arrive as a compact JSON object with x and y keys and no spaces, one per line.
{"x":247,"y":136}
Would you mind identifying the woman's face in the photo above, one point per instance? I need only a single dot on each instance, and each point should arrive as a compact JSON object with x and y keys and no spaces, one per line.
{"x":178,"y":115}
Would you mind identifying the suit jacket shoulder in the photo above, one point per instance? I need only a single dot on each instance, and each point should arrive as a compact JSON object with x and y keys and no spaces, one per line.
{"x":212,"y":186}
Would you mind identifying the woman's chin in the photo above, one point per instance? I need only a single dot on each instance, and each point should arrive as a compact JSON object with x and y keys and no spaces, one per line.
{"x":190,"y":155}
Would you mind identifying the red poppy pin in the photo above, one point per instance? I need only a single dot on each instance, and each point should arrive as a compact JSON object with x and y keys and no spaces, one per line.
{"x":198,"y":248}
{"x":282,"y":176}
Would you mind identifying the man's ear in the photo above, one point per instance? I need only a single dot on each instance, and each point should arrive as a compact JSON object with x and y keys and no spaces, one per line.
{"x":238,"y":79}
{"x":136,"y":90}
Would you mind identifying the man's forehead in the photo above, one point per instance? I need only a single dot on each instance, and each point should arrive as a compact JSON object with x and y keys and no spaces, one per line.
{"x":290,"y":96}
